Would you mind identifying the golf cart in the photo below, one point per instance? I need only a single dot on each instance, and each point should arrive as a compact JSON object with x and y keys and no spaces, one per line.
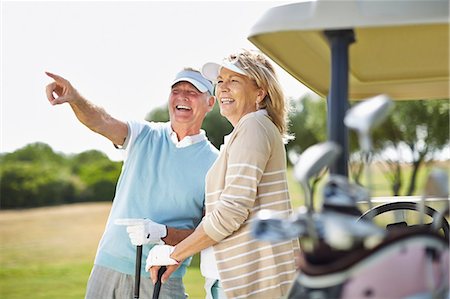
{"x":358,"y":49}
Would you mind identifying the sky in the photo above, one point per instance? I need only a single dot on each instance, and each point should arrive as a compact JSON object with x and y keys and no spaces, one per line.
{"x":120,"y":55}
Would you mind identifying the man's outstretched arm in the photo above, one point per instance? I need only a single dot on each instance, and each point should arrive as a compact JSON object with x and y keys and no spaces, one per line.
{"x":92,"y":116}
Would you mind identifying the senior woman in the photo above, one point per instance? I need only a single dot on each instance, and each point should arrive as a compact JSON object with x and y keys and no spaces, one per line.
{"x":249,"y":175}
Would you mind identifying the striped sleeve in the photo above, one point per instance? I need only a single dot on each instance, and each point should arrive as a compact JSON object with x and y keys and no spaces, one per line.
{"x":248,"y":154}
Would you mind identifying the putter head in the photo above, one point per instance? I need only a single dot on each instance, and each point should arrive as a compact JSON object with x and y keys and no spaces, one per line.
{"x":368,"y":114}
{"x":313,"y":159}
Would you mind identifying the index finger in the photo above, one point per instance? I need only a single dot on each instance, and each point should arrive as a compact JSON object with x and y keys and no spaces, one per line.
{"x":55,"y":77}
{"x":129,"y":221}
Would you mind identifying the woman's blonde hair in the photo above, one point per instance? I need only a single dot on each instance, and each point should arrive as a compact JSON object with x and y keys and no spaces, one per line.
{"x":258,"y":68}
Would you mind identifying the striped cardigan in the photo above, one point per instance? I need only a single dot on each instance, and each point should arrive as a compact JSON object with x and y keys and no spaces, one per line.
{"x":249,"y":175}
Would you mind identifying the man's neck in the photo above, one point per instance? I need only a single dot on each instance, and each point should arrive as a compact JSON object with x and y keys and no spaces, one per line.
{"x":183,"y":132}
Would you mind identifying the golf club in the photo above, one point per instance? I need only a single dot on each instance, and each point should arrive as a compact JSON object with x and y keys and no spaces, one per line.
{"x":157,"y":287}
{"x":310,"y":162}
{"x":343,"y":231}
{"x":137,"y":268}
{"x":341,"y":196}
{"x":137,"y":273}
{"x":268,"y":226}
{"x":362,"y":118}
{"x":339,"y":231}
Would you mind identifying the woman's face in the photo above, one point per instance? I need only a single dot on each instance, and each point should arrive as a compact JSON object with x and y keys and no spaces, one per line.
{"x":237,"y":95}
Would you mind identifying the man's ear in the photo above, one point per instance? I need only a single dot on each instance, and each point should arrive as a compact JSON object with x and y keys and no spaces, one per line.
{"x":211,"y":102}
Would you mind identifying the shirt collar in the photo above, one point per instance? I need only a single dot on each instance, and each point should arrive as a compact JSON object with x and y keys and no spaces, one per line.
{"x":188,"y":140}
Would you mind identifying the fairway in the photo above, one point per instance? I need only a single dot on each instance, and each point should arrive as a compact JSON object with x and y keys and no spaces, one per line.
{"x":48,"y":252}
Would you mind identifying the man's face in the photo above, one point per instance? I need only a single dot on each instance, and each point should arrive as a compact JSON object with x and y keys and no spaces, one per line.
{"x":188,"y":106}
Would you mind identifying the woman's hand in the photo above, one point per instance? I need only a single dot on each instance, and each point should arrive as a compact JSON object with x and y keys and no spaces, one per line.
{"x":154,"y":273}
{"x":172,"y":257}
{"x":159,"y":256}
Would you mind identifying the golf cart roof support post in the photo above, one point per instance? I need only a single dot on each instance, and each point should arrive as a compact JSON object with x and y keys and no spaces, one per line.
{"x":337,"y":102}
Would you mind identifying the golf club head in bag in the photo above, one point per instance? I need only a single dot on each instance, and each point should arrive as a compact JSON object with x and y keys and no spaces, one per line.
{"x":362,"y":118}
{"x":336,"y":230}
{"x":366,"y":116}
{"x":311,"y":162}
{"x":344,"y":232}
{"x":269,"y":226}
{"x":341,"y":196}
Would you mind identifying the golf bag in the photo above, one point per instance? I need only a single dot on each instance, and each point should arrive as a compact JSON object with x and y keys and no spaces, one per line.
{"x":409,"y":263}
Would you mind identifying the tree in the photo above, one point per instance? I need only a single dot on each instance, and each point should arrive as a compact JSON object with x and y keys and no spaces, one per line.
{"x":37,"y":176}
{"x":216,"y":126}
{"x":307,"y":122}
{"x":415,"y":133}
{"x":159,"y":114}
{"x":37,"y":152}
{"x":32,"y":183}
{"x":97,"y":174}
{"x":387,"y":139}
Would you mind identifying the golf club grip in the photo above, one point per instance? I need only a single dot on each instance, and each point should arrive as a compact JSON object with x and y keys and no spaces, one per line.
{"x":137,"y":273}
{"x":157,"y":288}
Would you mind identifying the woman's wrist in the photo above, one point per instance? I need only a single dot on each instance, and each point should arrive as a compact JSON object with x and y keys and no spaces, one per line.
{"x":174,"y":256}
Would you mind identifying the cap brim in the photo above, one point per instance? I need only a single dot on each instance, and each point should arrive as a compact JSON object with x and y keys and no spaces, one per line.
{"x":197,"y":84}
{"x":211,"y":70}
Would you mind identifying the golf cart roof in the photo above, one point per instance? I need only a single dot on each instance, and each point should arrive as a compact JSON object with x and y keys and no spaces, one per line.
{"x":401,"y":48}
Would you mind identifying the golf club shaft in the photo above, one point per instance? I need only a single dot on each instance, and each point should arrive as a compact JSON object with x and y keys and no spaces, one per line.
{"x":157,"y":288}
{"x":137,"y":274}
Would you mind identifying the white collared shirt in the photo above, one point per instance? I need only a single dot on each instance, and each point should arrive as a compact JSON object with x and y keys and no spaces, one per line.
{"x":188,"y":140}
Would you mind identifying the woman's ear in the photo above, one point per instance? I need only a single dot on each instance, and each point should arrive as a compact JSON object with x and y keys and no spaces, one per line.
{"x":260,"y":95}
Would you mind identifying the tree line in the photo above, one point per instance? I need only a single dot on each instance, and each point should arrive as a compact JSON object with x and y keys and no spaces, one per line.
{"x":414,"y":134}
{"x":36,"y":176}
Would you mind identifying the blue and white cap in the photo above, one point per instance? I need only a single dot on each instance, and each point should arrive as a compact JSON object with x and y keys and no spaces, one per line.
{"x":196,"y":79}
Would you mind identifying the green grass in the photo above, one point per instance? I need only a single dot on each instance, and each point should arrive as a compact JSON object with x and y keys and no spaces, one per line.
{"x":193,"y":282}
{"x":44,"y":281}
{"x":66,"y":281}
{"x":47,"y":253}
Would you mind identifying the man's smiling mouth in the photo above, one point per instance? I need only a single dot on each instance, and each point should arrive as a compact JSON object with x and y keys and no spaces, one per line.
{"x":182,"y":107}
